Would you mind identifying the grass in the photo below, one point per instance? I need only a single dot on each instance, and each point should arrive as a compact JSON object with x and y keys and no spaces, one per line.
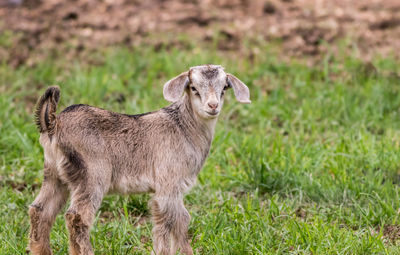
{"x":312,"y":166}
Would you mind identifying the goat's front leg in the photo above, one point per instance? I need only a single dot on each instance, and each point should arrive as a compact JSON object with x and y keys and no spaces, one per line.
{"x":43,"y":211}
{"x":180,"y":238}
{"x":85,"y":201}
{"x":170,"y":219}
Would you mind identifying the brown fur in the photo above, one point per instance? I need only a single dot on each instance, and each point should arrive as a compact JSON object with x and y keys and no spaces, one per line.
{"x":90,"y":152}
{"x":46,"y":110}
{"x":38,"y":240}
{"x":79,"y":234}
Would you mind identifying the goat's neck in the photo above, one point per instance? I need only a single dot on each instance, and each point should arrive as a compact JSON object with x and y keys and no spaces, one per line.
{"x":200,"y":131}
{"x":205,"y":127}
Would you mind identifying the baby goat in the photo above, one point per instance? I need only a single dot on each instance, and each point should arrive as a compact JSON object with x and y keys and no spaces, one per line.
{"x":89,"y":152}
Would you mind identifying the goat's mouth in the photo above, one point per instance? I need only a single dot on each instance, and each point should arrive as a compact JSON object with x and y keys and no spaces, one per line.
{"x":212,"y":113}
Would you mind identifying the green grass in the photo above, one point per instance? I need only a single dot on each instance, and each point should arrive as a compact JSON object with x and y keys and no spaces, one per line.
{"x":312,"y":166}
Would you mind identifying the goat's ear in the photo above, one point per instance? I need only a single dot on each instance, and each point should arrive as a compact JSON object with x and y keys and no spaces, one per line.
{"x":174,"y":88}
{"x":240,"y":89}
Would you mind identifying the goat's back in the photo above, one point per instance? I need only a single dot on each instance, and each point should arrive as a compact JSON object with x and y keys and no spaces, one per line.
{"x":130,"y":153}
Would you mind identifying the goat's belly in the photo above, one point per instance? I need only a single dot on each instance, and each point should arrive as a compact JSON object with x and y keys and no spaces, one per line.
{"x":131,"y":185}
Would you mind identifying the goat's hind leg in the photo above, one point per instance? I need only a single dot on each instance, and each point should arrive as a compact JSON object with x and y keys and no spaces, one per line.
{"x":85,"y":201}
{"x":43,"y":211}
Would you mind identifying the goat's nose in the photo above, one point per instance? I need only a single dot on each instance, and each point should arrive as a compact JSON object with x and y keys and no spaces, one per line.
{"x":213,"y":105}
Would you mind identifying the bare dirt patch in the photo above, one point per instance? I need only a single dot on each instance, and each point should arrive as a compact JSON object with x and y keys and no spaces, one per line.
{"x":303,"y":26}
{"x":301,"y":213}
{"x":391,"y":232}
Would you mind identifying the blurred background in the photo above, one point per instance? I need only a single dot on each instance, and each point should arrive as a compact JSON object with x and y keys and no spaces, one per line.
{"x":303,"y":27}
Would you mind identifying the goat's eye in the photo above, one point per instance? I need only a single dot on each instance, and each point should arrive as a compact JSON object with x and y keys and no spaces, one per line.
{"x":223,"y":91}
{"x":194,"y":91}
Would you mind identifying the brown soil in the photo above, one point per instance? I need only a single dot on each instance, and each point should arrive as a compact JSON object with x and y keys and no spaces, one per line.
{"x":301,"y":213}
{"x":391,"y":232}
{"x":305,"y":27}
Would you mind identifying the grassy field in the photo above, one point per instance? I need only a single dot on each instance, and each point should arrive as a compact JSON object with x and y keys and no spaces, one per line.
{"x":312,"y":166}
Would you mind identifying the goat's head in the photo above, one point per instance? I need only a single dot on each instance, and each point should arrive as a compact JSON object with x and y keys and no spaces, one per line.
{"x":205,"y":86}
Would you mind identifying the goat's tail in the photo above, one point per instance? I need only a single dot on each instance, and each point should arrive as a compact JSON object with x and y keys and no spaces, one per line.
{"x":46,"y":110}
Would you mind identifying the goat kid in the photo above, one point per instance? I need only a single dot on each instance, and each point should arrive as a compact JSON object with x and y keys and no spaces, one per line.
{"x":90,"y":152}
